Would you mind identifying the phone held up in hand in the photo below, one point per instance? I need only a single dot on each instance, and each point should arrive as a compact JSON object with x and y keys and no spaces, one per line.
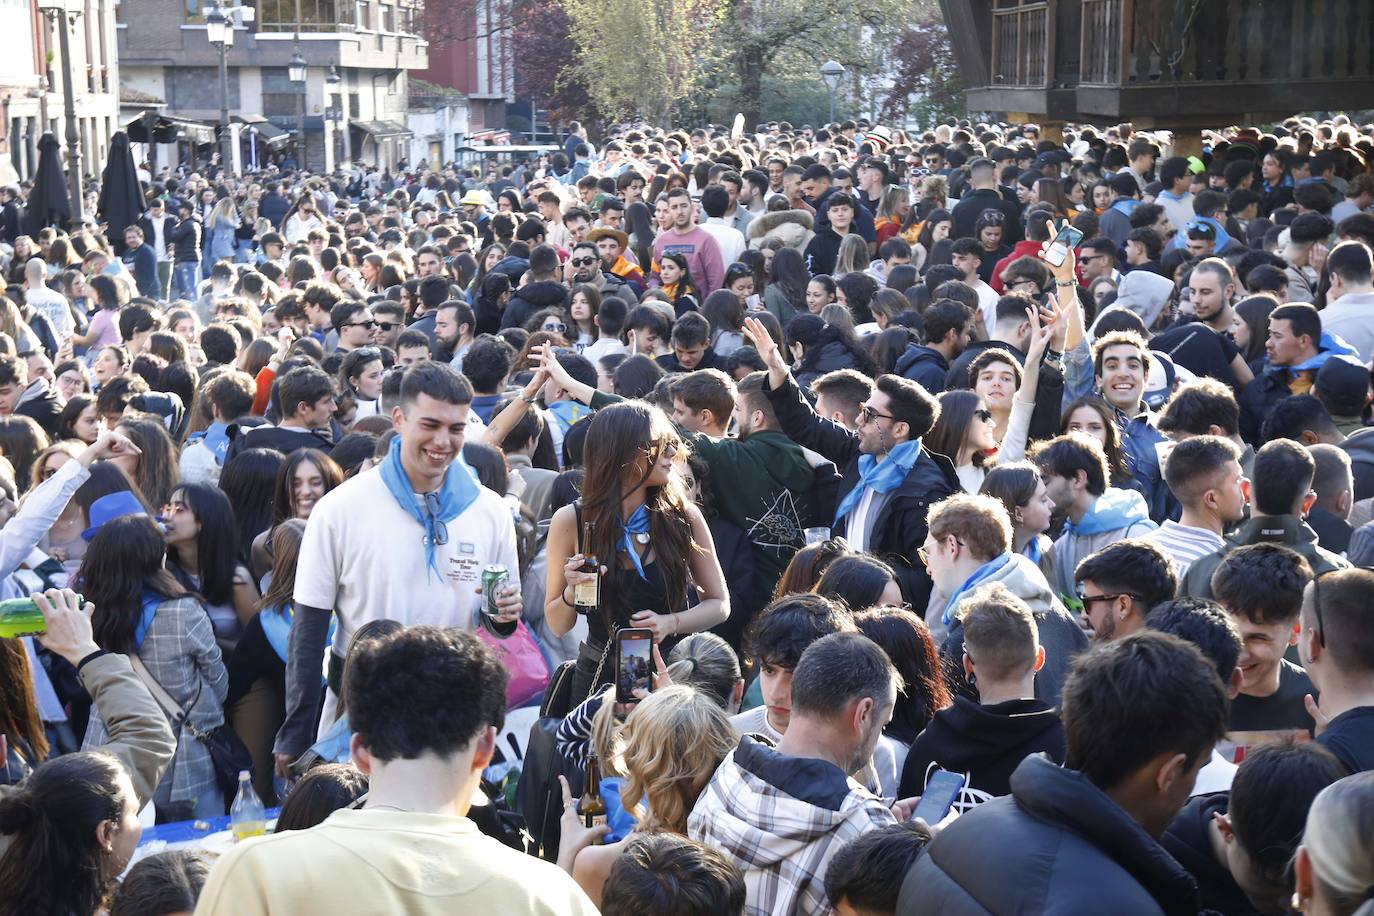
{"x":634,"y":663}
{"x":1065,"y":240}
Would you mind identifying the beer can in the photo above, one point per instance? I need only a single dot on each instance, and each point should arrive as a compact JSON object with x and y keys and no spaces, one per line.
{"x":493,"y":577}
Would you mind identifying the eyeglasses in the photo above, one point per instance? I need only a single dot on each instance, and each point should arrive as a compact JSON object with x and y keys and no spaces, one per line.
{"x":1087,"y":600}
{"x":582,"y":262}
{"x":925,"y":555}
{"x":558,"y":328}
{"x":440,"y":529}
{"x":982,"y":414}
{"x":867,"y":414}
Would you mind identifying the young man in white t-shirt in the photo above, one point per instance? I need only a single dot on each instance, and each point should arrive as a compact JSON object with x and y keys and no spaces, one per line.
{"x":366,"y":557}
{"x":965,"y":256}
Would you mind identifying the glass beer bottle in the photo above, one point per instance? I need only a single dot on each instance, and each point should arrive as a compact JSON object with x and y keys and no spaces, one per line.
{"x":587,"y":594}
{"x":591,"y":807}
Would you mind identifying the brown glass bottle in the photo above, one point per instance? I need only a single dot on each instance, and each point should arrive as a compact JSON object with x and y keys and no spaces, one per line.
{"x":587,"y":594}
{"x":591,"y":807}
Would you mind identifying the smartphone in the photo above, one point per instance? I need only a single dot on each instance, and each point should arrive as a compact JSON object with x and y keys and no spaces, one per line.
{"x":942,"y":788}
{"x":1067,"y":238}
{"x":634,"y":663}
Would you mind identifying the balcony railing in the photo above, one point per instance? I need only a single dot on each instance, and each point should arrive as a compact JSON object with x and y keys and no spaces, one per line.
{"x":1232,"y":41}
{"x":1020,"y":44}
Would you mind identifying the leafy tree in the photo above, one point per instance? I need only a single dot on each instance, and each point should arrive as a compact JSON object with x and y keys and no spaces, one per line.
{"x":542,"y":40}
{"x":925,"y":72}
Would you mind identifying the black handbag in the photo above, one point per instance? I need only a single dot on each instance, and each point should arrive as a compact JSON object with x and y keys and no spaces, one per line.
{"x":227,"y":751}
{"x":538,"y":796}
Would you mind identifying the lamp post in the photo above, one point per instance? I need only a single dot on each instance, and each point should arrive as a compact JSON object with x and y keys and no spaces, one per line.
{"x":832,"y":71}
{"x":296,"y":71}
{"x":335,"y":106}
{"x":219,"y":28}
{"x":58,"y":14}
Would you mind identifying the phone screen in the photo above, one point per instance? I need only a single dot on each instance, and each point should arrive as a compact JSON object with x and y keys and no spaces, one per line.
{"x":941,"y":790}
{"x":1067,"y":238}
{"x":634,"y":664}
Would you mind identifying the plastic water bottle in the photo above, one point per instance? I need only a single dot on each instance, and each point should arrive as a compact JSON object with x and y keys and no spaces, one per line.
{"x":247,"y":817}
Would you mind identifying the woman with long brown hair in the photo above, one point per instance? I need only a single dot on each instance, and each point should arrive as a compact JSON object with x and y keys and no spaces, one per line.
{"x":659,"y":569}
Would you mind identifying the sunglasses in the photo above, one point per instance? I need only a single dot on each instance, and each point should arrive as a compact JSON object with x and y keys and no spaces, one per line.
{"x":582,"y":262}
{"x":1087,"y":600}
{"x":387,"y":326}
{"x":556,"y":328}
{"x":868,"y":414}
{"x":369,"y":323}
{"x":984,"y":415}
{"x":440,"y":529}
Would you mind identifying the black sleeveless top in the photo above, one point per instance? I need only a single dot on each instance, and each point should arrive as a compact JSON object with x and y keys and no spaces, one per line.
{"x":647,"y":594}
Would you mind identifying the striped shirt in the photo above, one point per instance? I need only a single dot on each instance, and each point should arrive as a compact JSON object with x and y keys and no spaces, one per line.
{"x":1184,"y":543}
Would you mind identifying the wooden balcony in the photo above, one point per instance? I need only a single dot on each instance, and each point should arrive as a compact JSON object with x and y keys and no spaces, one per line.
{"x":1103,"y":59}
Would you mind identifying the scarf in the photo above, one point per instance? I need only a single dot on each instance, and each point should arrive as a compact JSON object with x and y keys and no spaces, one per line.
{"x":1033,"y":551}
{"x":980,"y":575}
{"x":276,"y":626}
{"x":1114,"y":510}
{"x":150,"y":601}
{"x":215,"y":437}
{"x":458,"y":491}
{"x":567,"y":413}
{"x":637,"y":523}
{"x":880,"y":476}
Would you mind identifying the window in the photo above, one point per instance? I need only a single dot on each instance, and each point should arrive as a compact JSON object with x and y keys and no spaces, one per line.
{"x":306,"y":15}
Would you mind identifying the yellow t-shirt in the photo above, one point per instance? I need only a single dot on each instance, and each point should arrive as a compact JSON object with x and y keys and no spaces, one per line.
{"x":361,"y":862}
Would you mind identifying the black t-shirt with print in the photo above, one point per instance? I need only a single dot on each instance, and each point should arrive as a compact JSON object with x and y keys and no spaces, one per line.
{"x":1283,"y":710}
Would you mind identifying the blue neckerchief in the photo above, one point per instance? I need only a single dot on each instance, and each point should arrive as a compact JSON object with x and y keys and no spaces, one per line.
{"x":880,"y":476}
{"x":1170,"y":195}
{"x":1223,"y":238}
{"x":458,"y":491}
{"x":568,"y":412}
{"x":150,"y":602}
{"x":1330,"y":345}
{"x":1285,"y":182}
{"x":215,"y":437}
{"x":1125,"y":205}
{"x":1114,"y":510}
{"x":637,"y":523}
{"x":1032,"y":550}
{"x":618,"y":817}
{"x":986,"y":571}
{"x":276,"y":626}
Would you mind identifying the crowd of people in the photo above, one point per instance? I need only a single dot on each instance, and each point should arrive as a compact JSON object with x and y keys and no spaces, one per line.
{"x":1029,"y":472}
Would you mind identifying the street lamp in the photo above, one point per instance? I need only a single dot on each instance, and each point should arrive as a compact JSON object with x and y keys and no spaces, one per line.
{"x":335,"y":108}
{"x":64,"y":19}
{"x":296,"y":71}
{"x":832,"y":71}
{"x":219,"y":28}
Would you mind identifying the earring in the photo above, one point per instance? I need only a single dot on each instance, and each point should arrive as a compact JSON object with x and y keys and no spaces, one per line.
{"x":1296,"y":902}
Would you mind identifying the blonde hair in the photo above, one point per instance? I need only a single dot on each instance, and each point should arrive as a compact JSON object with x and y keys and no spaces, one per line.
{"x":981,"y":522}
{"x":672,"y":744}
{"x":1338,"y":837}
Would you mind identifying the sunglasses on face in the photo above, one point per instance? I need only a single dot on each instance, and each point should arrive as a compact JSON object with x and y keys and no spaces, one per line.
{"x":387,"y":326}
{"x":868,"y":414}
{"x":369,"y":324}
{"x":984,"y":415}
{"x":582,"y":262}
{"x":555,"y":328}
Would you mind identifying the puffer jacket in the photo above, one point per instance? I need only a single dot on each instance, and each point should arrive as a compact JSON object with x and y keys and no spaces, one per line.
{"x":1057,"y":844}
{"x":828,"y":354}
{"x":530,"y":298}
{"x":794,"y":228}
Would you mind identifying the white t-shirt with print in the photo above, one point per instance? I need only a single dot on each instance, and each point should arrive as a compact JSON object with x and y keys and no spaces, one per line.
{"x":363,"y":555}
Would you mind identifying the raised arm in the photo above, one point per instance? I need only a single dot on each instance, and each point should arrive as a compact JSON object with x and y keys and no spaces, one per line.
{"x":501,"y":424}
{"x":1018,"y":426}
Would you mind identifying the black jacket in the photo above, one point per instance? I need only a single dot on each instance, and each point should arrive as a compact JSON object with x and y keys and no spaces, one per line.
{"x":985,"y":744}
{"x":43,"y":406}
{"x":822,"y":251}
{"x":828,"y":354}
{"x":900,"y":527}
{"x":185,"y":240}
{"x":709,"y":360}
{"x":923,"y":365}
{"x":1189,"y":842}
{"x":1056,"y":845}
{"x":1049,"y":391}
{"x":967,"y":211}
{"x":283,"y":440}
{"x":530,"y":298}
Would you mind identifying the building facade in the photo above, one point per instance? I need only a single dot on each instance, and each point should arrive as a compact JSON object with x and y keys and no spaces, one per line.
{"x":353,"y":107}
{"x":31,"y":80}
{"x":473,"y":56}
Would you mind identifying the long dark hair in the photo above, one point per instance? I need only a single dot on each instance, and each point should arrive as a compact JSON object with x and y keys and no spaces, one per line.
{"x":1116,"y":458}
{"x":249,"y":480}
{"x":789,"y":274}
{"x":283,"y":503}
{"x":157,"y":464}
{"x":54,"y":864}
{"x":950,"y":432}
{"x":636,"y":376}
{"x":285,"y":544}
{"x":123,"y":561}
{"x":19,"y":718}
{"x":1254,"y":311}
{"x":621,"y":435}
{"x":217,"y":549}
{"x":857,"y":579}
{"x":639,"y":219}
{"x":906,"y":640}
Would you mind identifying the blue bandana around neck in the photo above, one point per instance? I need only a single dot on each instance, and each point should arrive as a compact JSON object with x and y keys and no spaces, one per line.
{"x":1033,"y":550}
{"x":276,"y":626}
{"x":458,"y":491}
{"x":215,"y":437}
{"x":150,"y":600}
{"x":880,"y":476}
{"x":1114,"y":510}
{"x":637,"y":523}
{"x":981,"y":574}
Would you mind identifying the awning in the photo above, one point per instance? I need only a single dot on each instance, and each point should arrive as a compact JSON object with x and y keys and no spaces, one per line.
{"x":268,"y":132}
{"x":169,"y":129}
{"x":381,"y":130}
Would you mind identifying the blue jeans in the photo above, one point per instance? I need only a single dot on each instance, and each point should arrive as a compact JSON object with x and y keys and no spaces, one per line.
{"x":185,"y":276}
